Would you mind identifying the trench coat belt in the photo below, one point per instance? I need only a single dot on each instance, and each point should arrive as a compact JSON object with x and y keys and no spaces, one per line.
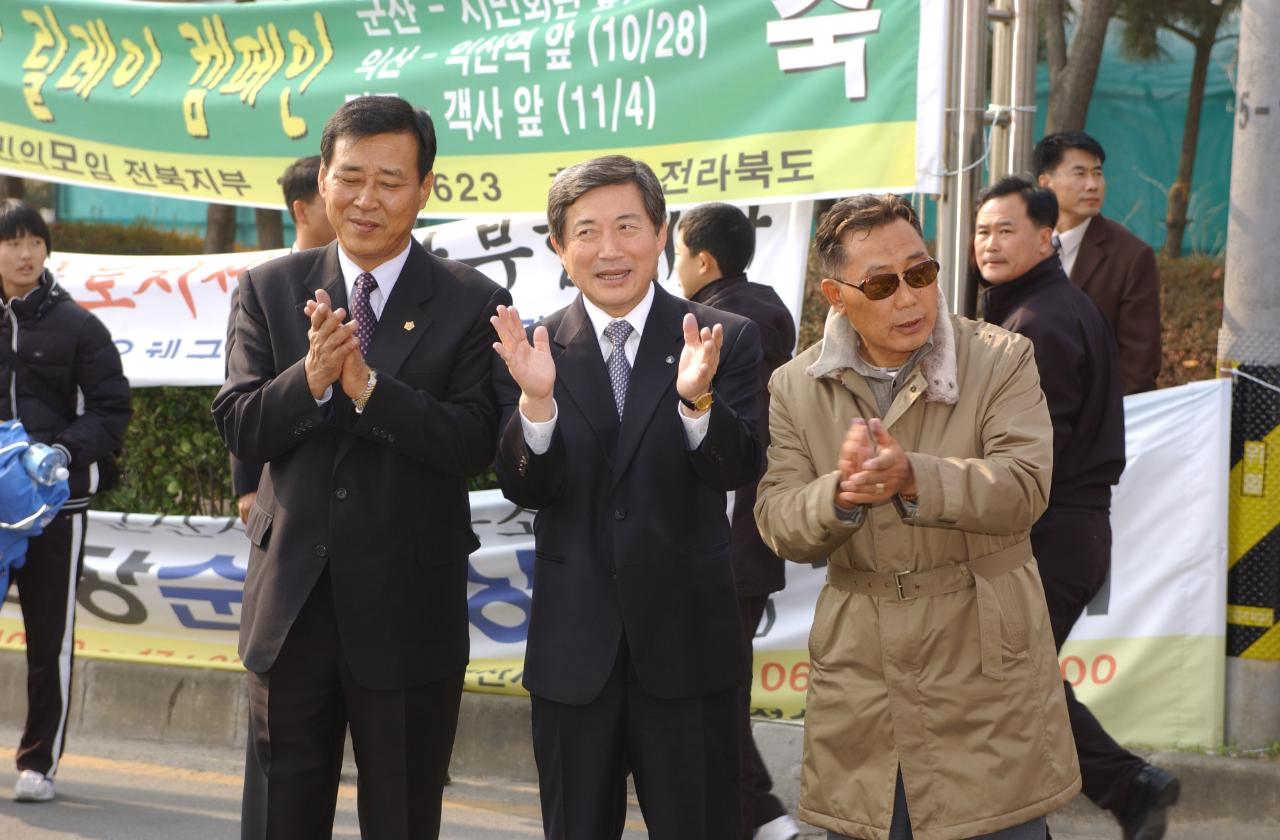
{"x":978,"y":572}
{"x":903,"y":586}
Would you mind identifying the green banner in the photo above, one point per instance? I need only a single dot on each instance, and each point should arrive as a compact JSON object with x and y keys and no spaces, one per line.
{"x":741,"y":100}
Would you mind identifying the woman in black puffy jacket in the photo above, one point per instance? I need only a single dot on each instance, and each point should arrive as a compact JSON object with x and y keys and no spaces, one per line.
{"x":60,"y":375}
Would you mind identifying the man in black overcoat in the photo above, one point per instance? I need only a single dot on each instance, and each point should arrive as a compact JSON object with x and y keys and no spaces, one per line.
{"x":1028,"y":292}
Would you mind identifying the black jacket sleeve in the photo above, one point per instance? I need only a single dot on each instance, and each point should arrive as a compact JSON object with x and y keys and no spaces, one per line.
{"x":99,"y":429}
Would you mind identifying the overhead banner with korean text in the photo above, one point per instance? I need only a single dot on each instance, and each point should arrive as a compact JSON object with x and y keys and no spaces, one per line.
{"x":168,"y":315}
{"x":745,"y":101}
{"x":1148,"y":656}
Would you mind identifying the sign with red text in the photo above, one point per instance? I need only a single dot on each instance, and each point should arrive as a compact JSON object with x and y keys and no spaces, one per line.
{"x":1148,"y":656}
{"x":168,"y":315}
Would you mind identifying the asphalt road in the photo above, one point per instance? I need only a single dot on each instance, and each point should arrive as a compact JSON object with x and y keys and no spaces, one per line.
{"x":112,"y":789}
{"x":125,"y":789}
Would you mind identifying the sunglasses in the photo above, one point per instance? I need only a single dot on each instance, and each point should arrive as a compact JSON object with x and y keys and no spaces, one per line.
{"x":881,"y":286}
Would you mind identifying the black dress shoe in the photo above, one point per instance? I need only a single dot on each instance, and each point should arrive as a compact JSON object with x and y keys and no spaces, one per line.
{"x":1151,"y":793}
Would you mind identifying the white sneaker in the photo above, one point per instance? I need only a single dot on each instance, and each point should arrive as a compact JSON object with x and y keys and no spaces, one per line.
{"x":33,"y":787}
{"x":783,"y":828}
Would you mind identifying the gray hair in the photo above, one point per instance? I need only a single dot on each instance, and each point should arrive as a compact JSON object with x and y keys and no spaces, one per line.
{"x":575,"y":181}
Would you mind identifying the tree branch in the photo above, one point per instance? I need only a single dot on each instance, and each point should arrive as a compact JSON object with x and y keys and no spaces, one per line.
{"x":1178,"y":30}
{"x":1055,"y":35}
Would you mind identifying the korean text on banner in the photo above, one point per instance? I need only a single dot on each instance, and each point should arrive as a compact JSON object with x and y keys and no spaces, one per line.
{"x":1148,"y":656}
{"x":168,"y":315}
{"x":726,"y":101}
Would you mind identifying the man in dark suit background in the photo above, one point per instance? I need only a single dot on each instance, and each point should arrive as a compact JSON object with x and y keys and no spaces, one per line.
{"x":714,"y":245}
{"x":300,"y":184}
{"x":1027,"y":292}
{"x":1113,"y":267}
{"x":355,"y":601}
{"x":624,"y":424}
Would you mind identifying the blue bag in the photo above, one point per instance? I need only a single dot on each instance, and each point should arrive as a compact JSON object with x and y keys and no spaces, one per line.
{"x":25,"y":506}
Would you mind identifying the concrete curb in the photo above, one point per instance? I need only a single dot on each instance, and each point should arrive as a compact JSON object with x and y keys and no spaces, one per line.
{"x":1221,"y":797}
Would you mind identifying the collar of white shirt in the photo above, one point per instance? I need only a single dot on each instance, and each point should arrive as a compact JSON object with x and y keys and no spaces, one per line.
{"x":386,"y":275}
{"x":636,"y":318}
{"x":1070,"y":241}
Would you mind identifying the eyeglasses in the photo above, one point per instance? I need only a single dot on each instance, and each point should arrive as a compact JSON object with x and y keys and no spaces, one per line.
{"x":881,"y":286}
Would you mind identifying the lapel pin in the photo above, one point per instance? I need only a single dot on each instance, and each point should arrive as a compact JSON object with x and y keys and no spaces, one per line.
{"x":671,"y":360}
{"x":408,"y":326}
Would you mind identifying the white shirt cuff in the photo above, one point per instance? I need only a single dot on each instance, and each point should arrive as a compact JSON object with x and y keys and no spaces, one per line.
{"x":325,"y":397}
{"x":537,"y":436}
{"x":695,"y":428}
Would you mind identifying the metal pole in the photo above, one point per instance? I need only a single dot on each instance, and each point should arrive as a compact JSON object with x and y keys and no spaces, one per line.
{"x":946,"y":198}
{"x":966,"y":90}
{"x":1250,"y":342}
{"x":1022,"y":87}
{"x":1002,"y":20}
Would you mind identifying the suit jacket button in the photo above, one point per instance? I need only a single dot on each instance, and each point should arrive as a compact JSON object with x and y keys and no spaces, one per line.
{"x":377,"y":431}
{"x":321,"y":551}
{"x":613,"y":573}
{"x":341,"y":493}
{"x":620,"y":514}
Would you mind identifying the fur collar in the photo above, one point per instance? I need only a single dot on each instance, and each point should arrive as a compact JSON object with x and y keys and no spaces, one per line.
{"x":939,"y":366}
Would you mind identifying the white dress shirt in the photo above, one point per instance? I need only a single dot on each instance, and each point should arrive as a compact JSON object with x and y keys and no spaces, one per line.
{"x":537,"y":436}
{"x":386,"y":275}
{"x":1070,"y":241}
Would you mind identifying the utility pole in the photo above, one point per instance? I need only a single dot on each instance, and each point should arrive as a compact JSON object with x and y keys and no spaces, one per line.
{"x":1249,"y":343}
{"x":1013,"y":87}
{"x":962,"y":149}
{"x":1011,"y":115}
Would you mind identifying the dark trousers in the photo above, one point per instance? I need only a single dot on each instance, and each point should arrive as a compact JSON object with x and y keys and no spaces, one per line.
{"x":47,"y":592}
{"x":1073,"y":549}
{"x":900,"y":825}
{"x":759,"y":805}
{"x":299,"y":712}
{"x":683,"y":755}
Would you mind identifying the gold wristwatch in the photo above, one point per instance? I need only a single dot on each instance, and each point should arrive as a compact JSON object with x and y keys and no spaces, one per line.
{"x":361,"y":400}
{"x":699,"y":403}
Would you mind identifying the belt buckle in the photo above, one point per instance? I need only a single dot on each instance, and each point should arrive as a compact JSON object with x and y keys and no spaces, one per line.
{"x":897,"y":579}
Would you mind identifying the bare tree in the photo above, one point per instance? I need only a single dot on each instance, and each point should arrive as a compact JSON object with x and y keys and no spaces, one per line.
{"x":12,"y":187}
{"x":270,"y":227}
{"x":220,"y":229}
{"x":1073,"y":68}
{"x":1197,"y":22}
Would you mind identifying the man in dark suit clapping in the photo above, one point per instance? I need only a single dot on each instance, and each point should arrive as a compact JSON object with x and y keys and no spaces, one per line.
{"x":355,"y":604}
{"x":626,"y":417}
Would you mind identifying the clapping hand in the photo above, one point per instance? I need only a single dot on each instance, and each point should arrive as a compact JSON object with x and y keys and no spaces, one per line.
{"x":855,"y":449}
{"x":868,"y":475}
{"x":329,"y":342}
{"x":530,"y":364}
{"x":354,"y":373}
{"x":699,"y":359}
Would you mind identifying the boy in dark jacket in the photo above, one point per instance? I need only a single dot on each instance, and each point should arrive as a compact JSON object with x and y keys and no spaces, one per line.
{"x":714,"y":246}
{"x":60,"y":375}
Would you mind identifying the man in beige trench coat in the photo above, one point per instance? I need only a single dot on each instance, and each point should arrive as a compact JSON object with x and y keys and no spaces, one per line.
{"x":913,"y":449}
